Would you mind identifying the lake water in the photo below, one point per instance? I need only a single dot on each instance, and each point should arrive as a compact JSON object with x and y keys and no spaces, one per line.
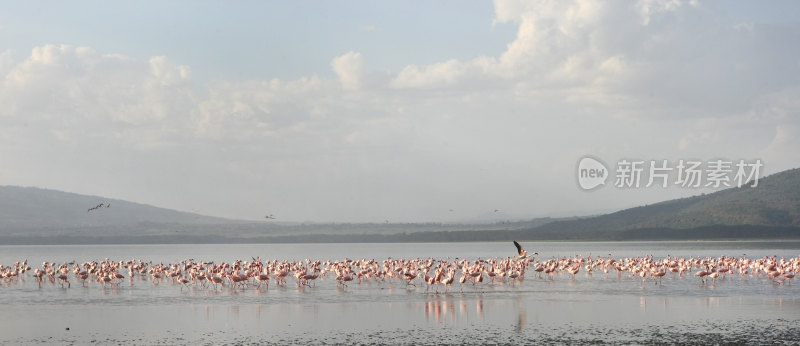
{"x":591,"y":308}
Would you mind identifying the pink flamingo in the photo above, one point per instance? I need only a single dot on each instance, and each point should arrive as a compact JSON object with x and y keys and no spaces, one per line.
{"x":345,"y":277}
{"x":429,"y":280}
{"x":280,"y":277}
{"x":263,"y":278}
{"x":522,"y":253}
{"x":310,"y":277}
{"x":702,"y":275}
{"x":38,"y":274}
{"x":156,"y":278}
{"x":713,"y":275}
{"x":658,"y":275}
{"x":63,"y":278}
{"x":774,"y":274}
{"x":461,"y":281}
{"x":573,"y":270}
{"x":202,"y":278}
{"x":449,"y":279}
{"x":183,"y":282}
{"x":215,"y":280}
{"x":409,"y":276}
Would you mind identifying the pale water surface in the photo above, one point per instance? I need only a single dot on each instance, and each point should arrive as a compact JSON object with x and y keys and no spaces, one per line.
{"x":592,"y":308}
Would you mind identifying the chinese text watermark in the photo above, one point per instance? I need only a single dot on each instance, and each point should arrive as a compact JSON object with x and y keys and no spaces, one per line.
{"x":662,"y":173}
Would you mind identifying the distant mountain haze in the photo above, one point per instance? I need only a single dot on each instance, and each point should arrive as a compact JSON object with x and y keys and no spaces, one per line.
{"x":31,"y":215}
{"x":35,"y":208}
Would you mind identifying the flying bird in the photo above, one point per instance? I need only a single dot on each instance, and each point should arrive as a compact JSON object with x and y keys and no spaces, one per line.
{"x":96,"y":207}
{"x":269,"y":217}
{"x":522,"y":253}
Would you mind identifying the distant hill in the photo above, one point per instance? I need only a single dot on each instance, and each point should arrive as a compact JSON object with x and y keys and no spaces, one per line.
{"x":28,"y":209}
{"x":30,"y":215}
{"x":38,"y":216}
{"x":773,"y":204}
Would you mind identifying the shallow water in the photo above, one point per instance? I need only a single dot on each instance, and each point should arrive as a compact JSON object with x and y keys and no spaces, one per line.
{"x":591,"y":308}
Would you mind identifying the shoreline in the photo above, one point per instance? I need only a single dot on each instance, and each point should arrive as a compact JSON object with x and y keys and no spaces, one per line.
{"x":776,"y":331}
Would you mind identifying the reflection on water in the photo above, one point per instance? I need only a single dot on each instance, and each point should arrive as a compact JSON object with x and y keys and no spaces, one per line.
{"x":520,"y":322}
{"x":710,"y":301}
{"x":235,"y":311}
{"x":462,"y":311}
{"x":523,"y":313}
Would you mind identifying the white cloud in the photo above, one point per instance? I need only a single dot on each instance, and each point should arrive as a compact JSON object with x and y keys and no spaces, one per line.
{"x":652,"y":58}
{"x":782,"y":153}
{"x":167,"y":73}
{"x":443,"y":74}
{"x":240,"y":111}
{"x":75,"y":92}
{"x":655,"y":80}
{"x":649,"y":8}
{"x":350,"y":69}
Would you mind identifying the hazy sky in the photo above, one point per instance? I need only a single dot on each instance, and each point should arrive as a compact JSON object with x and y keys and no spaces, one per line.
{"x":400,"y":111}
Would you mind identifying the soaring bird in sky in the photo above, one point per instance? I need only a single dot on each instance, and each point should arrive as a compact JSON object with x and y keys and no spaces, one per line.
{"x":97,"y":206}
{"x":522,"y":253}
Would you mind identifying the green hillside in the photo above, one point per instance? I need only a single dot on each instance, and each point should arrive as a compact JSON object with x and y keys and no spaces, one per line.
{"x":774,"y":202}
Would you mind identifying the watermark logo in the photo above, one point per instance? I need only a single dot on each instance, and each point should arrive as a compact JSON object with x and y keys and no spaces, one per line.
{"x":684,"y":173}
{"x":591,"y":173}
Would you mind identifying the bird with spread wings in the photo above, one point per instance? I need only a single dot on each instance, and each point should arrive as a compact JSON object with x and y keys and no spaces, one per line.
{"x":522,"y":253}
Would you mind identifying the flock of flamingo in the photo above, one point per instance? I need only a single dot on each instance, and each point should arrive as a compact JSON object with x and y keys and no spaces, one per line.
{"x":432,"y":273}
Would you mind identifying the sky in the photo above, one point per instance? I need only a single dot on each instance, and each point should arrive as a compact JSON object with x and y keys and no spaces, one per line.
{"x":407,"y":111}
